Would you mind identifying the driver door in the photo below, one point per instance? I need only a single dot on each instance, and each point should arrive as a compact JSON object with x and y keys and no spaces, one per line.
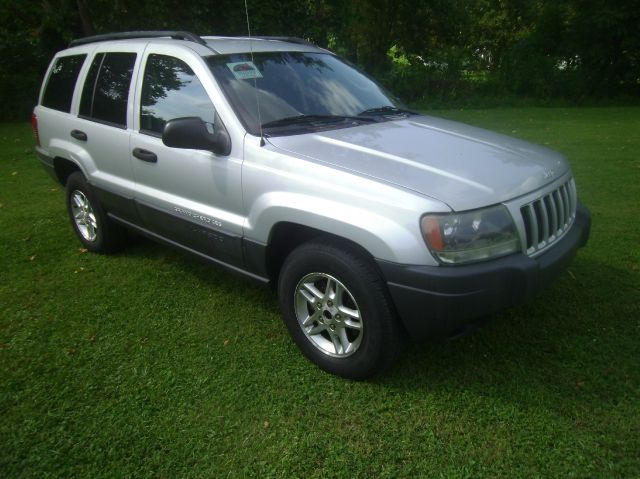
{"x":190,"y":197}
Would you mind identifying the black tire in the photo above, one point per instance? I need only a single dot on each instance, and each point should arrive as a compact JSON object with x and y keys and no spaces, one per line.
{"x":109,"y":236}
{"x":381,"y":335}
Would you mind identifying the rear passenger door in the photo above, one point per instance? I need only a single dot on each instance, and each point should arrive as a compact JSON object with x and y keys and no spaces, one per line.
{"x":103,"y":125}
{"x":55,"y":110}
{"x":191,"y":197}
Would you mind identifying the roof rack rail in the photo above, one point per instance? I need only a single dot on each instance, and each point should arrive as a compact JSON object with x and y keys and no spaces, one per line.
{"x":176,"y":35}
{"x":300,"y":41}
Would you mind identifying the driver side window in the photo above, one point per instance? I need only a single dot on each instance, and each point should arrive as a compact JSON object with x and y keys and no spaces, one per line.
{"x":170,"y":89}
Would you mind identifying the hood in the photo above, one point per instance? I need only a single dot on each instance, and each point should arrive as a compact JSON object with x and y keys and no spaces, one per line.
{"x":463,"y":166}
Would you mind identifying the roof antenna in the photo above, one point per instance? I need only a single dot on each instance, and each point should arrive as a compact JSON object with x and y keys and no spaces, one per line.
{"x":255,"y":78}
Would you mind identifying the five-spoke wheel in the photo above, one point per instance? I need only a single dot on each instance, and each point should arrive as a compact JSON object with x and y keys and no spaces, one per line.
{"x":328,"y":314}
{"x":84,"y":216}
{"x":337,"y":309}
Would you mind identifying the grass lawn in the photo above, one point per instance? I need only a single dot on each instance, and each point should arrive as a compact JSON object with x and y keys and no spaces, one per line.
{"x":149,"y":363}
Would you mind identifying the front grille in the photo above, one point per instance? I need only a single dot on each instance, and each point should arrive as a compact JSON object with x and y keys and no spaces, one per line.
{"x":549,"y":217}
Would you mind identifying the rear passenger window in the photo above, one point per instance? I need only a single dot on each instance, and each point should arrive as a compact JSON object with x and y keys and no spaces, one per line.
{"x":106,"y":88}
{"x":86,"y":100}
{"x":62,"y":81}
{"x":170,"y":89}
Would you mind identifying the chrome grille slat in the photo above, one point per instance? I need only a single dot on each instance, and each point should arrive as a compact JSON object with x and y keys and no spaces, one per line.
{"x":554,"y":214}
{"x":545,"y":221}
{"x":560,"y":206}
{"x":567,"y":206}
{"x":569,"y":198}
{"x":574,"y":196}
{"x":548,"y":218}
{"x":533,"y":225}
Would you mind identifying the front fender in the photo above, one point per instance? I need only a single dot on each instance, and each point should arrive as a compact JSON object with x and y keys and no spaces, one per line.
{"x":379,"y":234}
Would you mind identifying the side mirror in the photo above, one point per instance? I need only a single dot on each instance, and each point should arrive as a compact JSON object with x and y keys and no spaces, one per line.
{"x":192,"y":132}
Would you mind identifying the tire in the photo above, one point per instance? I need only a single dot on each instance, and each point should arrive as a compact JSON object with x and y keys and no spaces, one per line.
{"x":337,"y":309}
{"x":95,"y":230}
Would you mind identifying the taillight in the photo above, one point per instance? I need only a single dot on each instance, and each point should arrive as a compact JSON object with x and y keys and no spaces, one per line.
{"x":34,"y":125}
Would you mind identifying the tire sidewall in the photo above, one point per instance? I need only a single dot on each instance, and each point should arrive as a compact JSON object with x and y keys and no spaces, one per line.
{"x":373,"y":308}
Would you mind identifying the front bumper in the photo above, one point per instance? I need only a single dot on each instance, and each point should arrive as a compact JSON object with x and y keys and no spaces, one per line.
{"x":442,"y":301}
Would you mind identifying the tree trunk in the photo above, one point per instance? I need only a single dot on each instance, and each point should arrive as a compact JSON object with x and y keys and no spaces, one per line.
{"x":85,"y":18}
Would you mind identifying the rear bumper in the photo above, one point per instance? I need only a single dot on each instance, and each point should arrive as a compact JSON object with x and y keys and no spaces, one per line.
{"x":440,"y":301}
{"x":47,"y":163}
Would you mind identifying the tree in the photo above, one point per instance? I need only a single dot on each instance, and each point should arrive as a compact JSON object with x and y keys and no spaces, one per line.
{"x":577,"y":49}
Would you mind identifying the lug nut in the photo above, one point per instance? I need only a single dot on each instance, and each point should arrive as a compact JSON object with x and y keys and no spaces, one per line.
{"x":329,"y":303}
{"x":337,"y":316}
{"x":319,"y":305}
{"x":333,"y":327}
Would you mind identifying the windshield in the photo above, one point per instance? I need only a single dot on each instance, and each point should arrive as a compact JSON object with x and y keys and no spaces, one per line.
{"x":294,"y":86}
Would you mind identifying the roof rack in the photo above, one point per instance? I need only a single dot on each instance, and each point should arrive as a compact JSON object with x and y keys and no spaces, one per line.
{"x":300,"y":41}
{"x":176,"y":35}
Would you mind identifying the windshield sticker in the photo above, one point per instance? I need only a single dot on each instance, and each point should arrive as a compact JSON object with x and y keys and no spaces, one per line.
{"x":244,"y":70}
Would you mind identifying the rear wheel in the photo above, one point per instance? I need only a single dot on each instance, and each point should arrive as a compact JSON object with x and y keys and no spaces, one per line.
{"x":95,"y":230}
{"x":336,"y":308}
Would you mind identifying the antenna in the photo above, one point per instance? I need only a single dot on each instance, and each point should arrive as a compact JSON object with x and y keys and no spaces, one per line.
{"x":255,"y":79}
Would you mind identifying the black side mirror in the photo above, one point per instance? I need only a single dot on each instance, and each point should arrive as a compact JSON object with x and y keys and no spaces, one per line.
{"x":192,"y":132}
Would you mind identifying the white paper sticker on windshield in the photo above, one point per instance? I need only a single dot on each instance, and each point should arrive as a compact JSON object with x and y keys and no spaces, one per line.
{"x":244,"y":70}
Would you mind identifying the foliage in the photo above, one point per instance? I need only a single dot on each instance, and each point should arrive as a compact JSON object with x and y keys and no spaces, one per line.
{"x":457,"y":49}
{"x":151,"y":364}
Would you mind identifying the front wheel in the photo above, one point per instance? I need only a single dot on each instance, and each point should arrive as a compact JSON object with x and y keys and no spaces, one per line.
{"x":337,"y":309}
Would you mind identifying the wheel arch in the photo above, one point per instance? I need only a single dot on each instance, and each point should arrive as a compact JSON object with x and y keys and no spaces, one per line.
{"x":280,"y":221}
{"x":286,"y":236}
{"x":64,"y":168}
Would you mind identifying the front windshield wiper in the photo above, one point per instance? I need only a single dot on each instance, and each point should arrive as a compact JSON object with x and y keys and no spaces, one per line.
{"x":302,"y":119}
{"x":385,"y":110}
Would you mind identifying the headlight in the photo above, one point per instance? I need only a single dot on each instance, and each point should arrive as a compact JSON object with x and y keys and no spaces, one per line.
{"x":471,"y":236}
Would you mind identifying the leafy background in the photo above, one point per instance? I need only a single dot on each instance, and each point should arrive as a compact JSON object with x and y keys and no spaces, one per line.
{"x":429,"y":52}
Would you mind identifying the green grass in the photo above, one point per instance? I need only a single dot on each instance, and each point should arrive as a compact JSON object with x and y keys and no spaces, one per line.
{"x":148,"y":363}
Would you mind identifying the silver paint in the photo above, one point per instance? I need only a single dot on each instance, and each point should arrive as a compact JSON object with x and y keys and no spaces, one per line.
{"x":369,"y":183}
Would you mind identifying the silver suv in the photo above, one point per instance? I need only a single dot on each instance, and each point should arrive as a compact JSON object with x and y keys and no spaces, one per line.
{"x":280,"y":161}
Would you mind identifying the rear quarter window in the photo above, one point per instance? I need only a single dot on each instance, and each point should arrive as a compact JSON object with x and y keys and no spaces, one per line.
{"x":61,"y":83}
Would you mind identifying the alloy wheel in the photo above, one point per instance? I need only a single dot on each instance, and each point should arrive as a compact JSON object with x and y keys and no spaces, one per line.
{"x":83,"y":216}
{"x":328,"y":315}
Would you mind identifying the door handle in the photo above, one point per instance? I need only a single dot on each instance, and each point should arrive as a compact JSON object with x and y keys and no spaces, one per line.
{"x":79,"y":135}
{"x":145,"y":155}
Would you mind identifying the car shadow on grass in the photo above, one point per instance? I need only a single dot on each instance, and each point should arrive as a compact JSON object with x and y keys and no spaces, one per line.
{"x":575,"y":344}
{"x":571,"y":345}
{"x":226,"y":281}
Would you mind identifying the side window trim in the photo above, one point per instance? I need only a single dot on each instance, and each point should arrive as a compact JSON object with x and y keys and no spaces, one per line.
{"x":130,"y":90}
{"x":144,"y":131}
{"x":138,"y":105}
{"x":75,"y":103}
{"x":89,"y":117}
{"x":103,"y":122}
{"x":93,"y":87}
